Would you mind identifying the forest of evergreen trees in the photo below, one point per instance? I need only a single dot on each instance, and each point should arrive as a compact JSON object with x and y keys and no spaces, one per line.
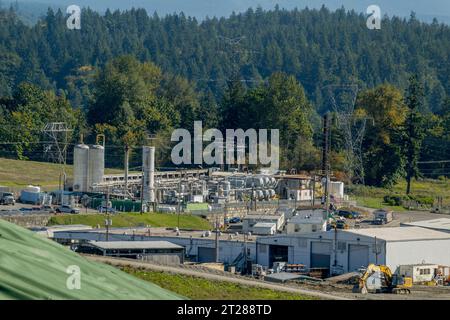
{"x":128,"y":74}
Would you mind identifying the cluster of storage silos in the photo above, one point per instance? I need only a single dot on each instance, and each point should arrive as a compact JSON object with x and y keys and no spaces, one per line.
{"x":88,"y":167}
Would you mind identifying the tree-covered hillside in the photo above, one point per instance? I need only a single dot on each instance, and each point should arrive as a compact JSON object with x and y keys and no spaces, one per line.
{"x":318,"y":47}
{"x":128,"y":75}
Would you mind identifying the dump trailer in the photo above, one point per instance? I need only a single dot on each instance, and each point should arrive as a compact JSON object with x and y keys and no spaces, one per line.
{"x":379,"y":279}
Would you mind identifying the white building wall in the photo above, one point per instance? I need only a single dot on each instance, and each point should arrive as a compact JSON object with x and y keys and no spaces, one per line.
{"x":417,"y":252}
{"x":264,"y":230}
{"x":304,"y":228}
{"x":249,"y":222}
{"x":228,"y":250}
{"x":300,"y":248}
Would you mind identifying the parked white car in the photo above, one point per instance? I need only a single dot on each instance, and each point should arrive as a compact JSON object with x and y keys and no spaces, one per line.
{"x":67,"y":209}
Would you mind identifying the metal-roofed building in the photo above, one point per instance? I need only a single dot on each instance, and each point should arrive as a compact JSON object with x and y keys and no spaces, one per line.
{"x":162,"y":251}
{"x":348,"y":250}
{"x":252,"y":219}
{"x":307,"y":221}
{"x":265,"y":228}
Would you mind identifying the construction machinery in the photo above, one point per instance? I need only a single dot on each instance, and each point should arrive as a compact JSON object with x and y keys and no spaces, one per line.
{"x":379,"y":279}
{"x":258,"y":271}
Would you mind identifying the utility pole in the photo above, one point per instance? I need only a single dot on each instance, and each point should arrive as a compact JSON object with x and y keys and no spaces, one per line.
{"x":376,"y":251}
{"x":326,"y":159}
{"x":108,"y":221}
{"x":245,"y":254}
{"x":326,"y":175}
{"x":314,"y":191}
{"x":217,"y":239}
{"x":127,"y":154}
{"x":58,"y":134}
{"x":142,"y":191}
{"x":179,"y":199}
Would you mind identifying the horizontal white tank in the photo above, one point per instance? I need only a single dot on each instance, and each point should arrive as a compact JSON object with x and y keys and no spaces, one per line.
{"x":33,"y":189}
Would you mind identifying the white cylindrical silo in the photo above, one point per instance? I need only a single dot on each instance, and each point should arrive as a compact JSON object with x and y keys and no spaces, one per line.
{"x":80,"y":168}
{"x":96,"y":165}
{"x":148,"y":165}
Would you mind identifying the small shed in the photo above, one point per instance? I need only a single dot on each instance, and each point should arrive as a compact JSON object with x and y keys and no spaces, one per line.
{"x":159,"y":251}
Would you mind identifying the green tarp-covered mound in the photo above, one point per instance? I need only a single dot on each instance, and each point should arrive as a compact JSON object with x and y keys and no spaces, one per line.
{"x":32,"y":267}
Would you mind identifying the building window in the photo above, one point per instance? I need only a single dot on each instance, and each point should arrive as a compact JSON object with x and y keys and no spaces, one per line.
{"x":425,"y":271}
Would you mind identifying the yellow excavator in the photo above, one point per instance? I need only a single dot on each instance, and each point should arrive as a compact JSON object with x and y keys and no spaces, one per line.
{"x":379,"y":279}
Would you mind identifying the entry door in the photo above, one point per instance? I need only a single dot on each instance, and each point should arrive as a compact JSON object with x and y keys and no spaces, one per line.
{"x":320,"y":254}
{"x":358,"y":256}
{"x":206,"y":254}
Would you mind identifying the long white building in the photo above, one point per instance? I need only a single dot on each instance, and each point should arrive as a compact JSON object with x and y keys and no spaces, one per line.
{"x":349,"y":250}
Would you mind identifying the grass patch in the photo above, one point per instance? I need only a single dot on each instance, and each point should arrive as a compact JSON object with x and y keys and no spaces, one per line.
{"x":134,"y":220}
{"x":19,"y":173}
{"x":372,"y":197}
{"x":376,"y":203}
{"x":203,"y":289}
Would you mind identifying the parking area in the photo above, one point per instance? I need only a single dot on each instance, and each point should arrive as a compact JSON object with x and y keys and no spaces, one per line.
{"x":30,"y":209}
{"x":398,"y":218}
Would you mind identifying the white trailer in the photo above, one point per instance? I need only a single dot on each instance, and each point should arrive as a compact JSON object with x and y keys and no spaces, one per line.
{"x":420,"y":273}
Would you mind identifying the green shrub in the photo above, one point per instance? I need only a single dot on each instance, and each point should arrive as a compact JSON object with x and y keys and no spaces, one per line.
{"x":393,"y":200}
{"x":424,"y":200}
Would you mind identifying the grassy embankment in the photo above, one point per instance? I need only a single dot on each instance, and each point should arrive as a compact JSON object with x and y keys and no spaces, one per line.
{"x":135,"y":220}
{"x":17,"y":173}
{"x":373,"y":197}
{"x":203,"y":289}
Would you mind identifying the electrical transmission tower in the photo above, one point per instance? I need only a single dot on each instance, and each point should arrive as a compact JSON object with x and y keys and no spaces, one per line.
{"x":56,"y":148}
{"x":353,"y":128}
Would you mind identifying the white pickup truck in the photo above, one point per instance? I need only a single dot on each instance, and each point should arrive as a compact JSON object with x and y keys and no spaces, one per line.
{"x":7,"y":198}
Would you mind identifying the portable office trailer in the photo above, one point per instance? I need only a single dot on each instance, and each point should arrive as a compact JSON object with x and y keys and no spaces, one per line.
{"x":420,"y":273}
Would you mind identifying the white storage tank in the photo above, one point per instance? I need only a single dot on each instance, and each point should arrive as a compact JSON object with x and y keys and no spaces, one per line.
{"x":226,"y":185}
{"x":148,"y":164}
{"x":80,"y":168}
{"x":337,"y":189}
{"x":272,"y":193}
{"x":32,"y":189}
{"x":260,"y":194}
{"x":96,"y":165}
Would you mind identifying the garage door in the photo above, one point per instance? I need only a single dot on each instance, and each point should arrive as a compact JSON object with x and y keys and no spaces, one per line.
{"x":358,"y":256}
{"x":206,"y":254}
{"x":278,"y":254}
{"x":320,"y":254}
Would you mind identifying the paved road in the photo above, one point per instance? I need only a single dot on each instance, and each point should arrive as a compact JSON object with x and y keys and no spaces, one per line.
{"x":401,"y":217}
{"x":256,"y":283}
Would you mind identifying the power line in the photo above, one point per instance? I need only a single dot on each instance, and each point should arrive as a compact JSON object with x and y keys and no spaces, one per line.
{"x":431,"y":162}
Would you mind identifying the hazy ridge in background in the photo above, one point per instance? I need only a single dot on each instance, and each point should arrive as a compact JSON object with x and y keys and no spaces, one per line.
{"x":425,"y":10}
